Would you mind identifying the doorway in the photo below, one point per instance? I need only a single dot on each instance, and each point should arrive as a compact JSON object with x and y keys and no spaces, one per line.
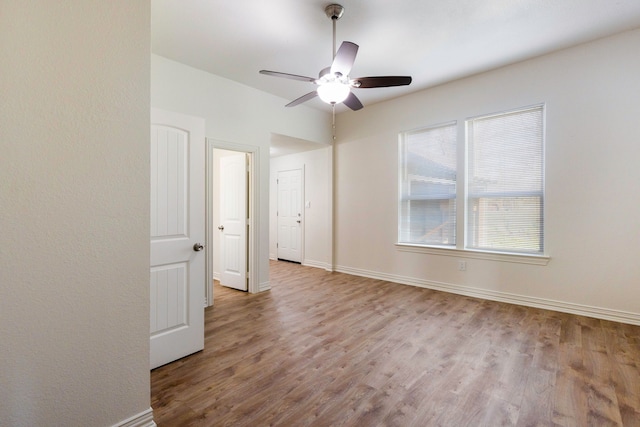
{"x":230,"y":189}
{"x":231,"y":244}
{"x":290,"y":219}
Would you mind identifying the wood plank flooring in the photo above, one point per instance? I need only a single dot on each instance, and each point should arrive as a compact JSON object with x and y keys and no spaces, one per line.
{"x":330,"y":349}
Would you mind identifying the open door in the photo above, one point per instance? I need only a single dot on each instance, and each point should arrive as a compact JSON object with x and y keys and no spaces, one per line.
{"x":177,"y":233}
{"x":233,"y":220}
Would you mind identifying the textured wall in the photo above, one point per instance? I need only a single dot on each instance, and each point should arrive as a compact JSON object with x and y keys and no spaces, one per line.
{"x":74,"y":246}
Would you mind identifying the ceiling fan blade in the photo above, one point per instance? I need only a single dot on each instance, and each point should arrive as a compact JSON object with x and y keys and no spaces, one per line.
{"x":288,"y":76}
{"x":303,"y":98}
{"x":353,"y":102}
{"x":381,"y":81}
{"x":345,"y":57}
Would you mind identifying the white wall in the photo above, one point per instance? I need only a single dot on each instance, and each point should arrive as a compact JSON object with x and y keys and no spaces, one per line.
{"x":592,"y":96}
{"x":74,"y":212}
{"x":237,"y":114}
{"x":317,"y":218}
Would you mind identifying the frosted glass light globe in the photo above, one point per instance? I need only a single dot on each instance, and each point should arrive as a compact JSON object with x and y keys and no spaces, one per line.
{"x":333,"y":92}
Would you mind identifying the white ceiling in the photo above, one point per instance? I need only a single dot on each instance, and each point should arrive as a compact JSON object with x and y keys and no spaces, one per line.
{"x":434,"y":41}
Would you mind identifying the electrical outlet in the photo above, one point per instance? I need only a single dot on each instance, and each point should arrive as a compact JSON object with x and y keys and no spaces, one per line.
{"x":462,"y":265}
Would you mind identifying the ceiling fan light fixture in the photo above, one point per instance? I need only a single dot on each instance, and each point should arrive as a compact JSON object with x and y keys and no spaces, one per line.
{"x":333,"y":92}
{"x":333,"y":83}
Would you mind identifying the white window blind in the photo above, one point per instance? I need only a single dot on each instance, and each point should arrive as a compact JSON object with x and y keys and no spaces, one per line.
{"x":505,"y":182}
{"x":427,"y":209}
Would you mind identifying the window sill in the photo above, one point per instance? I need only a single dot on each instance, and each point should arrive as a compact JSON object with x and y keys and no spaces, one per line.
{"x":467,"y":253}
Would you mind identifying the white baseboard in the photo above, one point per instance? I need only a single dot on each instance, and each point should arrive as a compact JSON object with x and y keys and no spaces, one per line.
{"x":143,"y":419}
{"x":310,"y":263}
{"x":317,"y":264}
{"x":564,"y":307}
{"x":264,"y":286}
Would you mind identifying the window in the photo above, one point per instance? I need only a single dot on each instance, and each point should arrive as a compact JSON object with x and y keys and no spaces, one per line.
{"x":428,"y":186}
{"x":503,"y":197}
{"x":505,"y":182}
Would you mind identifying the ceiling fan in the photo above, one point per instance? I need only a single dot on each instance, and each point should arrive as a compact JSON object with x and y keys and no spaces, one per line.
{"x":334,"y":83}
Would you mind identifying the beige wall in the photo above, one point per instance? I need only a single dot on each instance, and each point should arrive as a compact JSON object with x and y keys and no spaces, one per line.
{"x":74,"y":212}
{"x":592,"y":96}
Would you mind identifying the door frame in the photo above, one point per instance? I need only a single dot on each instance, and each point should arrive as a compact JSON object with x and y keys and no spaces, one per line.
{"x":254,"y":210}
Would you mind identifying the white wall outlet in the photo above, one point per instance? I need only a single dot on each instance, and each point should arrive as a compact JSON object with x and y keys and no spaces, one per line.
{"x":462,"y":265}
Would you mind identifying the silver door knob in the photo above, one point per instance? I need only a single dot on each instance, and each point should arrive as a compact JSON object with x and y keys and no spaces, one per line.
{"x":198,"y":247}
{"x":221,"y":228}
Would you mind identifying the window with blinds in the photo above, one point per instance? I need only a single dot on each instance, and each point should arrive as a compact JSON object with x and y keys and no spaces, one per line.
{"x":505,"y":182}
{"x":427,"y":210}
{"x":503,"y":193}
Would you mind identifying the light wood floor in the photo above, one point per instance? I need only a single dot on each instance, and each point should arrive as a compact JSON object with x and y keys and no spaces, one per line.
{"x":329,"y":349}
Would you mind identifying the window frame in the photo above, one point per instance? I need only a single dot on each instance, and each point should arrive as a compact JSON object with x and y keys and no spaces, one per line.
{"x":462,"y":199}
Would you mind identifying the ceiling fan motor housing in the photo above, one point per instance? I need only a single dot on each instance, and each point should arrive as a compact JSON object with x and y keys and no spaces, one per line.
{"x":334,"y":11}
{"x":324,"y":72}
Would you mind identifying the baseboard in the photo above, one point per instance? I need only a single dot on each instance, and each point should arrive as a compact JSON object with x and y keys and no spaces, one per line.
{"x":564,"y":307}
{"x":264,"y":286}
{"x":309,"y":263}
{"x":143,"y":419}
{"x":317,"y":264}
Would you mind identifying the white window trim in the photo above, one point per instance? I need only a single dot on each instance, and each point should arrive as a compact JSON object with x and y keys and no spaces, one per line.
{"x":518,"y":258}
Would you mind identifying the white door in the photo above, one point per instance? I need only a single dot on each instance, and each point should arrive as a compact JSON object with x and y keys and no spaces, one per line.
{"x":290,"y":215}
{"x":233,"y":221}
{"x":177,"y":231}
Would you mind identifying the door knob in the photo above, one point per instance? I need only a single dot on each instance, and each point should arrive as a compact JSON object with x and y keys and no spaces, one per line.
{"x":198,"y":247}
{"x":298,"y":221}
{"x":221,"y":228}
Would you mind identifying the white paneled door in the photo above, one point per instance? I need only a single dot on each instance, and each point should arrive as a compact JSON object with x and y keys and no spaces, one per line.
{"x":177,"y":235}
{"x":290,"y":215}
{"x":233,"y":219}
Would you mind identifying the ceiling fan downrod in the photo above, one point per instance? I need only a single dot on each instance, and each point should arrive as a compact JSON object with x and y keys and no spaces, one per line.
{"x":334,"y":12}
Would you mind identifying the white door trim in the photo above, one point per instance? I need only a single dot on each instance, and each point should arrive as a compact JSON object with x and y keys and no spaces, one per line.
{"x":254,"y":211}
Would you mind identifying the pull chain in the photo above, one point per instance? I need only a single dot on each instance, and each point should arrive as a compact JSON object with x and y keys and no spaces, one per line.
{"x":333,"y":123}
